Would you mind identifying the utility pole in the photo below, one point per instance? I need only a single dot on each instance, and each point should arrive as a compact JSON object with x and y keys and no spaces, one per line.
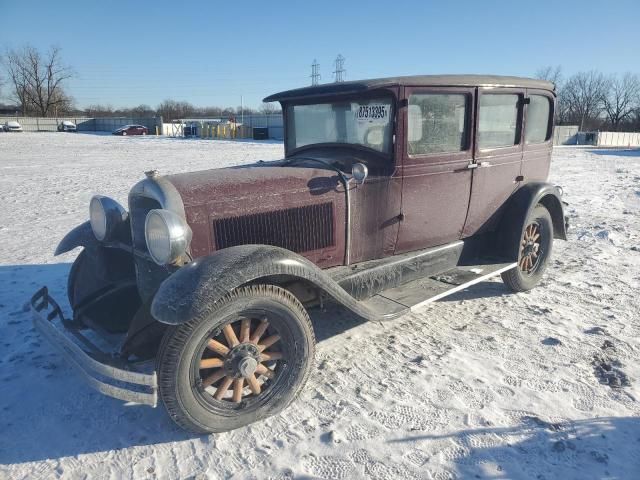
{"x":315,"y":72}
{"x":241,"y":111}
{"x":340,"y":72}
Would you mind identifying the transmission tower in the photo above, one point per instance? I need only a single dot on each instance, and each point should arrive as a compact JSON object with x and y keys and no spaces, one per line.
{"x":315,"y":72}
{"x":340,"y":73}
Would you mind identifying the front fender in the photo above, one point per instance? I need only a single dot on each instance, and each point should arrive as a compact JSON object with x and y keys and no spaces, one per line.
{"x":193,"y":290}
{"x":81,"y":236}
{"x":520,"y":206}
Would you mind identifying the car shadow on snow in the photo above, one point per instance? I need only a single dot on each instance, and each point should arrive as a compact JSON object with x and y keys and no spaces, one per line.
{"x":607,"y":447}
{"x":47,"y":410}
{"x":479,"y":290}
{"x":618,"y":152}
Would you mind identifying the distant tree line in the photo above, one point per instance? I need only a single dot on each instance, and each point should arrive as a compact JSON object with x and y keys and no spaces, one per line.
{"x":595,"y":101}
{"x":172,"y":110}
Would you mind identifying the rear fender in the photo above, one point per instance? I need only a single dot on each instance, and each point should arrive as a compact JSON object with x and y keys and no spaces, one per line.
{"x":520,"y":206}
{"x":191,"y":292}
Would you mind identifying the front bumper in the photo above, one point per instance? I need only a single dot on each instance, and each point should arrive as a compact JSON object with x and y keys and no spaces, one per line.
{"x":107,"y":375}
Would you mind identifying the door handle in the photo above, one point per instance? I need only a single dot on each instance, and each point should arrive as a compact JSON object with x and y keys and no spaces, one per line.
{"x":471,"y":166}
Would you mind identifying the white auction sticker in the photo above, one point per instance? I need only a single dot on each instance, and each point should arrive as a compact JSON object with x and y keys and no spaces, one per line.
{"x":373,"y":113}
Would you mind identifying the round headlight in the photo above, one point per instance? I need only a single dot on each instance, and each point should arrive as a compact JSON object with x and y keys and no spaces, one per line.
{"x":167,"y":235}
{"x":106,"y":217}
{"x":98,"y":218}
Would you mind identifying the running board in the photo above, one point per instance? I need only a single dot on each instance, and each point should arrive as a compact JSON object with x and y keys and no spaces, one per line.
{"x":418,"y":293}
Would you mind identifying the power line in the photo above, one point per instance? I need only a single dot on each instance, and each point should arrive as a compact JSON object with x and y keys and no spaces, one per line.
{"x":315,"y":72}
{"x":340,"y":72}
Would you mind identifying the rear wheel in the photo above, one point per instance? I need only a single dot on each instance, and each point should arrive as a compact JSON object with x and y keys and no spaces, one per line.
{"x":247,"y":360}
{"x":534,"y":251}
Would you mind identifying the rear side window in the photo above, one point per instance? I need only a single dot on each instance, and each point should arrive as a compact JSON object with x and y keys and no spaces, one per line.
{"x":437,"y":123}
{"x":538,"y":120}
{"x":498,"y":121}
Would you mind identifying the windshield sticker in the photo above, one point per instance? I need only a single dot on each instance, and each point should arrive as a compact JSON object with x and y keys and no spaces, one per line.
{"x":373,"y":113}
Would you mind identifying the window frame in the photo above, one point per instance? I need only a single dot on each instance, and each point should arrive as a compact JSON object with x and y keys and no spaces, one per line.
{"x":467,"y":153}
{"x":488,"y":152}
{"x":392,"y":93}
{"x":552,"y":110}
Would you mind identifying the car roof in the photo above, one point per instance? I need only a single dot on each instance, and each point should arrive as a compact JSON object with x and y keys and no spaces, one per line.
{"x":357,"y":86}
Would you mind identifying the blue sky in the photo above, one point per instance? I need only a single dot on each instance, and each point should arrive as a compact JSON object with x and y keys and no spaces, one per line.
{"x":210,"y":53}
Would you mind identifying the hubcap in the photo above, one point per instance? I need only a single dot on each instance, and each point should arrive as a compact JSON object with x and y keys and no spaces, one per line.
{"x":238,"y":362}
{"x":247,"y":366}
{"x":530,"y":248}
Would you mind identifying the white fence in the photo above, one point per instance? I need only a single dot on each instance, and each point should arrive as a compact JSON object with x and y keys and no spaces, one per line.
{"x":618,"y":139}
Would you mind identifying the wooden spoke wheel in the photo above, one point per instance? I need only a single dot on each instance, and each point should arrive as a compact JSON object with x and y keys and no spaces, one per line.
{"x":533,"y":250}
{"x":245,"y":360}
{"x":240,"y":360}
{"x":530,"y":248}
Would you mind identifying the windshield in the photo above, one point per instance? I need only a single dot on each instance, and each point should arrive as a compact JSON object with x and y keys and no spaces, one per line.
{"x":357,"y":122}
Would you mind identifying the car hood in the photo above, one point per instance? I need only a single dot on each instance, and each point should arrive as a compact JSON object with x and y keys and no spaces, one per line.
{"x":258,"y":190}
{"x":233,"y":184}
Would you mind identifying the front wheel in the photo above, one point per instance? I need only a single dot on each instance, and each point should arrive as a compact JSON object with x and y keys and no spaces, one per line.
{"x":534,"y":251}
{"x":247,"y":360}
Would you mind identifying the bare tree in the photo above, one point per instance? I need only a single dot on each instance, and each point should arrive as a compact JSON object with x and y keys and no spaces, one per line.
{"x":269,"y":108}
{"x":550,"y":74}
{"x":171,"y":110}
{"x":622,"y":99}
{"x":98,"y":110}
{"x":584,"y":94}
{"x":140,"y":111}
{"x":38,"y":79}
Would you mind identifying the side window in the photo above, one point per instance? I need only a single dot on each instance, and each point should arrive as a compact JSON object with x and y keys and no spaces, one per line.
{"x":437,"y":123}
{"x":498,"y":120}
{"x":538,"y":120}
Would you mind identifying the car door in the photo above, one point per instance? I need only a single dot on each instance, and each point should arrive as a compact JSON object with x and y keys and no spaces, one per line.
{"x":497,"y":156}
{"x":435,"y":170}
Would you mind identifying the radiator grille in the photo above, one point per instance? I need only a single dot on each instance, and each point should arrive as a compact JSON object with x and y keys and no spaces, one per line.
{"x":300,"y":229}
{"x":138,"y":209}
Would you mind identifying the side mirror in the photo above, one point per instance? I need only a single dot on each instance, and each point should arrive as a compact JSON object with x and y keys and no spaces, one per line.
{"x":359,"y":171}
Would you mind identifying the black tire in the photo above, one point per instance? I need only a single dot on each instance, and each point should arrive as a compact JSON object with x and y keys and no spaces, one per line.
{"x":73,"y":274}
{"x":528,"y":273}
{"x":181,"y":377}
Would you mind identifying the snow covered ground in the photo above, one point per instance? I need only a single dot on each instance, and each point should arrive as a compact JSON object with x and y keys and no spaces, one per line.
{"x":484,"y":384}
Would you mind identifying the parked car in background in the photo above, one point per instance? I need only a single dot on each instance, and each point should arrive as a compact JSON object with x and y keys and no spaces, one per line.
{"x":12,"y":126}
{"x":132,"y":130}
{"x":67,"y":126}
{"x":392,"y":193}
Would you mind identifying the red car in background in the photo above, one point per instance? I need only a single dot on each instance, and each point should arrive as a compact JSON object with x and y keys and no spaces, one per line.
{"x":132,"y":130}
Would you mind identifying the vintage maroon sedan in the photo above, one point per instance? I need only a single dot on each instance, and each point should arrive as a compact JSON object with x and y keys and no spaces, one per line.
{"x":131,"y":130}
{"x":393,"y":193}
